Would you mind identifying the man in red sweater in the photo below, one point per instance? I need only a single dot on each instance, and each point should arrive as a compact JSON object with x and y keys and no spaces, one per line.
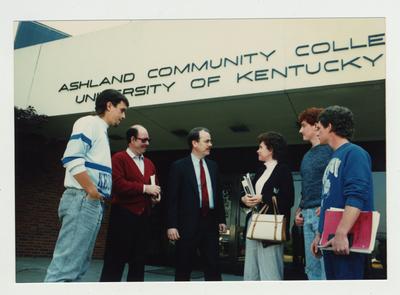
{"x":133,"y":193}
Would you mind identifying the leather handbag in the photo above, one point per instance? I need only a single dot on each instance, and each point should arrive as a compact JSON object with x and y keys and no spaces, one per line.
{"x":267,"y":227}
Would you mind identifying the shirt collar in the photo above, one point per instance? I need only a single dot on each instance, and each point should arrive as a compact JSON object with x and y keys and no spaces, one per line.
{"x":195,"y":159}
{"x":133,"y":155}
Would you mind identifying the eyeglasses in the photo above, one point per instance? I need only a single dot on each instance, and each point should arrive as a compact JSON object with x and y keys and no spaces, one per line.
{"x":144,"y":140}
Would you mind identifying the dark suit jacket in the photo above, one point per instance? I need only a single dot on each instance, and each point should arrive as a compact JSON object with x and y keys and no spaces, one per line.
{"x":183,"y":200}
{"x":282,"y":181}
{"x":128,"y":181}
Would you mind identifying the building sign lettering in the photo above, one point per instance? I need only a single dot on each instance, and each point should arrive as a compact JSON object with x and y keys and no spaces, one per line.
{"x":261,"y":64}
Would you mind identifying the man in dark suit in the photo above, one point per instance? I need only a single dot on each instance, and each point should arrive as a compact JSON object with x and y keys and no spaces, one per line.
{"x":133,"y":194}
{"x":195,"y":208}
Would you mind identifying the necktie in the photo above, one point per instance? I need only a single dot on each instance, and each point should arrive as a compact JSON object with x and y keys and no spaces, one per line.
{"x":204,"y":191}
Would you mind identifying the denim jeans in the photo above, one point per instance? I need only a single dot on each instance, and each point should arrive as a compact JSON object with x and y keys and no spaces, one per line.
{"x":314,"y":266}
{"x":80,"y":219}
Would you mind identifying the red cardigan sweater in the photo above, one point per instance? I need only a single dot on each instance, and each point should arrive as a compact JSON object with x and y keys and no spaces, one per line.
{"x":128,"y":181}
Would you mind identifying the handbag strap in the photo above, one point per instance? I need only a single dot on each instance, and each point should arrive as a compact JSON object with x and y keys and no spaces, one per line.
{"x":275,"y":205}
{"x":264,"y":209}
{"x":276,"y":211}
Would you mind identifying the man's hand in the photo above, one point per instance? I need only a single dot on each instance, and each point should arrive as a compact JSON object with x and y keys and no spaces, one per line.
{"x":155,"y":199}
{"x":339,"y":244}
{"x":152,"y":189}
{"x":95,"y":195}
{"x":173,"y":234}
{"x":87,"y":184}
{"x":318,"y":211}
{"x":299,"y":219}
{"x":222,"y":228}
{"x":314,"y":246}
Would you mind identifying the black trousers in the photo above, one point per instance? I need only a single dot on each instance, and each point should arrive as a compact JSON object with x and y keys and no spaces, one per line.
{"x":126,"y":243}
{"x":206,"y":241}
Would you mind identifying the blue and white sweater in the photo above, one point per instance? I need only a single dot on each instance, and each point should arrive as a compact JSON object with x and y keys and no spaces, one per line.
{"x":88,"y":149}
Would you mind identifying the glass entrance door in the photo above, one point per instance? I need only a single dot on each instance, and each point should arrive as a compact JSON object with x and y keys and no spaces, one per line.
{"x":232,"y":248}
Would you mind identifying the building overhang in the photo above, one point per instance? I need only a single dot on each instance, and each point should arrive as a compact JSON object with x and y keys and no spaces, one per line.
{"x":178,"y":74}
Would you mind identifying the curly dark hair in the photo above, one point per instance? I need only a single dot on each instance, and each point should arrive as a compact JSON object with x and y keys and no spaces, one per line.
{"x":275,"y":143}
{"x":341,"y":119}
{"x":309,"y":115}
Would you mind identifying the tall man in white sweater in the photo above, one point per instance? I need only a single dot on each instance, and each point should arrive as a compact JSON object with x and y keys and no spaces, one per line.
{"x":87,"y":161}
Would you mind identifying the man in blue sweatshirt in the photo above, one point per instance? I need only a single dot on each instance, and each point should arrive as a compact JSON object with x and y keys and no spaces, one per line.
{"x":347,"y":184}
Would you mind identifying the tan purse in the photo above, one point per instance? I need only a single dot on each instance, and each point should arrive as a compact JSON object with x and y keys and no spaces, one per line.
{"x":267,"y":227}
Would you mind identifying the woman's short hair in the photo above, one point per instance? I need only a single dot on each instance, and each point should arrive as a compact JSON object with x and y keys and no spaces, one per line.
{"x":275,"y":143}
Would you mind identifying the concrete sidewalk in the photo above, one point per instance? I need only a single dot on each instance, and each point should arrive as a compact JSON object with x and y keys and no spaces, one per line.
{"x":33,"y":270}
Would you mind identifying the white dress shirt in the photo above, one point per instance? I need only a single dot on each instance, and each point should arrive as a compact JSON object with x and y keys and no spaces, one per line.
{"x":196,"y":164}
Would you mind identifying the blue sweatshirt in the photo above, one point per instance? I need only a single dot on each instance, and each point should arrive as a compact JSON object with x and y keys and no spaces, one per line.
{"x":347,"y":181}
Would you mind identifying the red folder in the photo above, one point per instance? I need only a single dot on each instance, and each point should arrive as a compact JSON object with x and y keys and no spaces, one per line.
{"x":361,"y":236}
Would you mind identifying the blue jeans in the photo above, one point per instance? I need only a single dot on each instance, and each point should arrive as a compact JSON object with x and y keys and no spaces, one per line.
{"x":314,"y":266}
{"x":80,"y":219}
